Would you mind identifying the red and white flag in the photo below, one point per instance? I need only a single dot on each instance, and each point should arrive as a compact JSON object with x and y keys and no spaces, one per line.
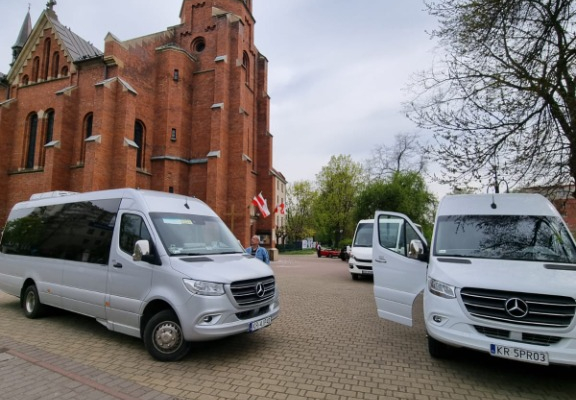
{"x":280,"y":209}
{"x":260,"y":202}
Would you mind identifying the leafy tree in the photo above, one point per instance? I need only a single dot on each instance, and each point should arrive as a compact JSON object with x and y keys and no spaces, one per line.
{"x":338,"y":184}
{"x":403,"y":192}
{"x":405,"y":155}
{"x":300,"y":198}
{"x":502,"y":101}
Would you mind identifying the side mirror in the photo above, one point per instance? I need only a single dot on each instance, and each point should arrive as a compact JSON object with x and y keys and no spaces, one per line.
{"x":415,"y":249}
{"x":141,"y":250}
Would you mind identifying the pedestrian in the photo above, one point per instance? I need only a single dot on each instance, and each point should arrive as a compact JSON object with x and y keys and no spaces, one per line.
{"x":257,"y":251}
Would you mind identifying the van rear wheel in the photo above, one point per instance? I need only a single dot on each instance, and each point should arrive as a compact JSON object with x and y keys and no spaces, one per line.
{"x":31,"y":303}
{"x":163,"y":337}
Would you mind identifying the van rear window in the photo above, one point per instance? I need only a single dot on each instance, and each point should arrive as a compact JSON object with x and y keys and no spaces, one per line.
{"x":510,"y":237}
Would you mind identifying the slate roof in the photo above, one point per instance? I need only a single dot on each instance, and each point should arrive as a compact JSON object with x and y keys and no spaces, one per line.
{"x":78,"y":48}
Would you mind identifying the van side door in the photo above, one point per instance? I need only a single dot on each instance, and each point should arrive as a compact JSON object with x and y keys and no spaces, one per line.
{"x":399,"y":276}
{"x":129,"y":281}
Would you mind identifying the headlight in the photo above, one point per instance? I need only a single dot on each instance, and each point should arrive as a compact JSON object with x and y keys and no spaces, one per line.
{"x":204,"y":288}
{"x":441,"y":289}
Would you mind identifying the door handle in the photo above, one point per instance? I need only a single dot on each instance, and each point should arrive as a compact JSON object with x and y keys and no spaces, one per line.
{"x":117,"y":265}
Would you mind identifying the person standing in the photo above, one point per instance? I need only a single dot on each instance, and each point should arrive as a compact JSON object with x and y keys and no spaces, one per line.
{"x":257,"y":251}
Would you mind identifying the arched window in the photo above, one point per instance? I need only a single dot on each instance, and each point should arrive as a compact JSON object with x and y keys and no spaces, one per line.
{"x":86,"y":133}
{"x":246,"y":66}
{"x":139,"y":140}
{"x":31,"y":145}
{"x":48,"y":134}
{"x":55,"y":66}
{"x":88,"y":125}
{"x":25,"y":80}
{"x":49,"y":127}
{"x":65,"y":70}
{"x":46,"y":61}
{"x":35,"y":69}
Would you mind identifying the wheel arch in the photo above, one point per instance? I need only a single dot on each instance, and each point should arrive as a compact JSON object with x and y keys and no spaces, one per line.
{"x":28,"y":282}
{"x":153,"y":308}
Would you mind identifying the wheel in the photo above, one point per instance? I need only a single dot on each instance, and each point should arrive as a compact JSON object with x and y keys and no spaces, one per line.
{"x":355,"y":277}
{"x":31,"y":303}
{"x":438,"y":349}
{"x":163,"y":337}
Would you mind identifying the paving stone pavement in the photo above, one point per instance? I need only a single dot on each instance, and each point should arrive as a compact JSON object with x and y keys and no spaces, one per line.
{"x":328,"y":343}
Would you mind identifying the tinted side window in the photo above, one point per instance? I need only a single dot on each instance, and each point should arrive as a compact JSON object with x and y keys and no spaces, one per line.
{"x":79,"y":231}
{"x":132,"y":229}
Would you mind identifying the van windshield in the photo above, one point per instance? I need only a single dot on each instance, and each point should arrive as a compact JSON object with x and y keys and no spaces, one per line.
{"x":508,"y":237}
{"x":190,"y":234}
{"x":363,"y":236}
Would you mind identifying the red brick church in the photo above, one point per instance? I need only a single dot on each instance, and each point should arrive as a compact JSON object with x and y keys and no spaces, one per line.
{"x":185,"y":110}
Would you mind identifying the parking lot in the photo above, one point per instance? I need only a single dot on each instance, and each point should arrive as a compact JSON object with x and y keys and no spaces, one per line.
{"x":328,"y":343}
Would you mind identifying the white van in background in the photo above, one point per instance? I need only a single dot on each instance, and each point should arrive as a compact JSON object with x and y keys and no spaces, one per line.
{"x":154,"y":265}
{"x":499,"y":277}
{"x":360,"y":261}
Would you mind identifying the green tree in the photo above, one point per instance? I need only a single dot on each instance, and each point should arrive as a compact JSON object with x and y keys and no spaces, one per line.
{"x":300,"y":198}
{"x":403,"y":192}
{"x":502,"y":99}
{"x":338,"y":185}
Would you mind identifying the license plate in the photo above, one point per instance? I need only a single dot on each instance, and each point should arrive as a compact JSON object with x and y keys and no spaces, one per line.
{"x":262,"y":323}
{"x":513,"y":353}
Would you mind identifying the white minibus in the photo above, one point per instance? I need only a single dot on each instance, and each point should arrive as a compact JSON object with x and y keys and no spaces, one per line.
{"x":499,"y":277}
{"x":154,"y":265}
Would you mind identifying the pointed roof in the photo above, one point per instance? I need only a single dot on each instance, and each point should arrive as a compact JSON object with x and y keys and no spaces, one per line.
{"x":25,"y":32}
{"x":78,"y":49}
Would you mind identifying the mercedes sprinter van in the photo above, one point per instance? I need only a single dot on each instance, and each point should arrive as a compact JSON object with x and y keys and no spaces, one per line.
{"x":159,"y":266}
{"x":499,"y":277}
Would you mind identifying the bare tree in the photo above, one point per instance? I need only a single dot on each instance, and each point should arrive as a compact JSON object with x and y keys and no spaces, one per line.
{"x":405,"y":155}
{"x":503,"y":97}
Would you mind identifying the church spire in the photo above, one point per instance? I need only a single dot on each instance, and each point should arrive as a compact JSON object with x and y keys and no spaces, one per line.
{"x":25,"y":31}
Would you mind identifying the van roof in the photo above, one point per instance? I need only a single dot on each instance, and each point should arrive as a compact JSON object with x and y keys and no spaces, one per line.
{"x":153,"y":200}
{"x":496,"y":204}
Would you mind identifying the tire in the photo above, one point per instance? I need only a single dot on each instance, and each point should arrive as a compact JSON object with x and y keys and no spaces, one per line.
{"x":355,"y":277}
{"x":163,"y":337}
{"x":31,"y":303}
{"x":438,"y":349}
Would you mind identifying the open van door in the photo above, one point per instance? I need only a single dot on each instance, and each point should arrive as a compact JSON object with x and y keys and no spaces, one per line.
{"x":398,"y":248}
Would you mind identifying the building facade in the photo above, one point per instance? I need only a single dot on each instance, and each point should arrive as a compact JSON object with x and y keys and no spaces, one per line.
{"x":185,"y":110}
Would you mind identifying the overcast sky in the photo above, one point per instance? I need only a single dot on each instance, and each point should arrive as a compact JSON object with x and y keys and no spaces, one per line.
{"x":337,"y":69}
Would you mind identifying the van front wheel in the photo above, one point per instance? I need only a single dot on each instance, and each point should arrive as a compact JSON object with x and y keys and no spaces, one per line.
{"x":438,"y":349}
{"x":31,"y":302}
{"x":163,"y":337}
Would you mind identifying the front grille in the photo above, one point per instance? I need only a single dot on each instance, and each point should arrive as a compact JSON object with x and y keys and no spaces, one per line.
{"x":256,"y":312}
{"x":526,"y":309}
{"x":254,"y":291}
{"x":529,"y":338}
{"x":367,"y":268}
